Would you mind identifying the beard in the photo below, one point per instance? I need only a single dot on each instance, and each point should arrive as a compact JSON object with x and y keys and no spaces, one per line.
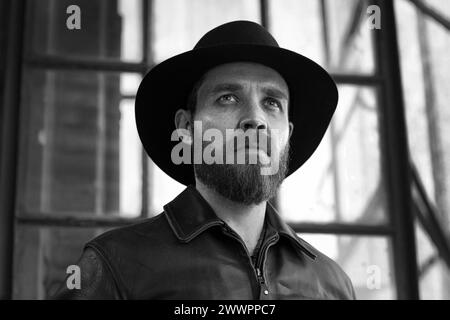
{"x":243,"y":183}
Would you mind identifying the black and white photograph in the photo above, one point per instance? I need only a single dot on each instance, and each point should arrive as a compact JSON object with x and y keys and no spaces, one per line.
{"x":225,"y":150}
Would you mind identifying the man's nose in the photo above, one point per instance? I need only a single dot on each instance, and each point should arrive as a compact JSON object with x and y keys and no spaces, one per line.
{"x":253,"y":119}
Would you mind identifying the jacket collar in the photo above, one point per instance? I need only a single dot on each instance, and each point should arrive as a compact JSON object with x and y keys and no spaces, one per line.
{"x":189,"y":214}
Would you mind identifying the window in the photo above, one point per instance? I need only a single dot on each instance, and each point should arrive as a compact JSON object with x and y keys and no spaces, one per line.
{"x":426,"y":88}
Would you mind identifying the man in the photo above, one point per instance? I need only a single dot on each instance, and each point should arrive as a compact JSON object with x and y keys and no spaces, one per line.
{"x":221,"y":238}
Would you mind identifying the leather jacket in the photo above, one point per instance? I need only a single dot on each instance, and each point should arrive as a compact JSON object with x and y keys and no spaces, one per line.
{"x":187,"y":252}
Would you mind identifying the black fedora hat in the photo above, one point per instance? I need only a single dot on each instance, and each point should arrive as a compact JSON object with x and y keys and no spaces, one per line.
{"x":166,"y":87}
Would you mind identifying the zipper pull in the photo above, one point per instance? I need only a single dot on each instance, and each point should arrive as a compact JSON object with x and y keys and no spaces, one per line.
{"x":261,"y":281}
{"x":260,"y":277}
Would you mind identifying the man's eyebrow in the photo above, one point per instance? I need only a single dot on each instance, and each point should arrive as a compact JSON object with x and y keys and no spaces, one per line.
{"x":232,"y":87}
{"x":276,"y":93}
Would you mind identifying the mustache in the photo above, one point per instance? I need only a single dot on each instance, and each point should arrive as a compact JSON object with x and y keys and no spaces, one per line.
{"x":259,"y":140}
{"x":243,"y":184}
{"x":236,"y":139}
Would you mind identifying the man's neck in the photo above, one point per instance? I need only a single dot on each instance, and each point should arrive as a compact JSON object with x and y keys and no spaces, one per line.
{"x":246,"y":220}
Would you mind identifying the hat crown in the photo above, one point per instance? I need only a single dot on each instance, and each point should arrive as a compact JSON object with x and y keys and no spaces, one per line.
{"x":237,"y":32}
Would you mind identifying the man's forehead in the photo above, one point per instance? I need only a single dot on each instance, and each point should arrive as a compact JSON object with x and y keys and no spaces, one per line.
{"x":244,"y":73}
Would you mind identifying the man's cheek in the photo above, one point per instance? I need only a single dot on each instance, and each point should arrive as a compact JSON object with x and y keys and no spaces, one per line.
{"x":281,"y":140}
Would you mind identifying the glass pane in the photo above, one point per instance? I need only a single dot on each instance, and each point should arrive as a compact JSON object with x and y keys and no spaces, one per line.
{"x":297,"y":26}
{"x":163,"y":188}
{"x":434,"y":275}
{"x":336,"y":184}
{"x":80,"y":150}
{"x":424,"y":47}
{"x":179,"y":24}
{"x":366,"y":260}
{"x":109,"y":29}
{"x":42,"y":255}
{"x":130,"y":162}
{"x":425,"y":65}
{"x":414,"y":92}
{"x":350,"y":39}
{"x":443,"y":7}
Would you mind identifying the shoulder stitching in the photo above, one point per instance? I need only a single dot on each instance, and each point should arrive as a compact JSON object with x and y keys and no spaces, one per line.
{"x":116,"y":277}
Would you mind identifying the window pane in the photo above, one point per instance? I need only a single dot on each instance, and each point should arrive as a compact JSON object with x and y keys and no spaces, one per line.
{"x":179,"y":24}
{"x":414,"y":92}
{"x":130,"y":162}
{"x":366,"y":260}
{"x":425,"y":65}
{"x":342,"y":182}
{"x":425,"y":62}
{"x":443,"y":7}
{"x":351,"y":40}
{"x":434,"y":275}
{"x":42,"y":255}
{"x":110,"y":29}
{"x":80,"y":150}
{"x":163,"y":188}
{"x":299,"y":25}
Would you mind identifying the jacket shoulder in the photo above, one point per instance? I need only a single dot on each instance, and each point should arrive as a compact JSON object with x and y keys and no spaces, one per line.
{"x":150,"y":229}
{"x":332,"y":276}
{"x":127,"y":250}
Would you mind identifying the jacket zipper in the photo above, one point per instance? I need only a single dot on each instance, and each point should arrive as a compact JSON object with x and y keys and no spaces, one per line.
{"x":260,"y":260}
{"x":260,"y":263}
{"x":260,"y":276}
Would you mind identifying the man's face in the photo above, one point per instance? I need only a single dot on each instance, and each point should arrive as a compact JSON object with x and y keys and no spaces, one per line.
{"x":244,"y":96}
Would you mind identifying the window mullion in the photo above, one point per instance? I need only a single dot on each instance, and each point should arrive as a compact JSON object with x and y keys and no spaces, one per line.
{"x":59,"y":62}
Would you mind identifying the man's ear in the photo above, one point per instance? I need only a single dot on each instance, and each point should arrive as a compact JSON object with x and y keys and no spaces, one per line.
{"x":291,"y":128}
{"x":183,"y":119}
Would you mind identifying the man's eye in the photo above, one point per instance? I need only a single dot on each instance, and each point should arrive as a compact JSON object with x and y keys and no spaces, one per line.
{"x":273,"y":103}
{"x":227,"y":98}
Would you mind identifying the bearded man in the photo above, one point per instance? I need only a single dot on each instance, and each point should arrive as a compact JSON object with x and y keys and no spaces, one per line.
{"x":221,"y":238}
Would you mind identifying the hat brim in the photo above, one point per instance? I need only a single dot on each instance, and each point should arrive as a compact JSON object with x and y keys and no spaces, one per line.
{"x":166,"y":87}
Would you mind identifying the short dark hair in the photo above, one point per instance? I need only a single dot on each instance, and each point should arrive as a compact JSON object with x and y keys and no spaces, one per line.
{"x":193,"y":95}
